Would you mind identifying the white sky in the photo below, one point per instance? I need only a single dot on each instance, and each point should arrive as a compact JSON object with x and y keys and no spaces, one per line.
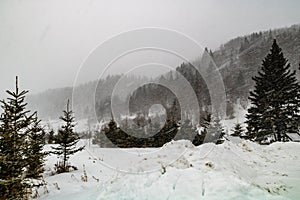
{"x":45,"y":41}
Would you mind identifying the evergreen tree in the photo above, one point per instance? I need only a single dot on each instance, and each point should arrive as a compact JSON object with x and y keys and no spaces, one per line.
{"x":115,"y":135}
{"x":35,"y":154}
{"x":237,"y":130}
{"x":51,"y":137}
{"x":111,"y":127}
{"x":215,"y":131}
{"x":66,"y":140}
{"x":14,"y":129}
{"x":275,"y":105}
{"x":199,"y":138}
{"x":96,"y":137}
{"x":244,"y":45}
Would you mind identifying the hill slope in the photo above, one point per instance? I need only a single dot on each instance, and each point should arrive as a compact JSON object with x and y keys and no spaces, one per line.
{"x":238,"y":61}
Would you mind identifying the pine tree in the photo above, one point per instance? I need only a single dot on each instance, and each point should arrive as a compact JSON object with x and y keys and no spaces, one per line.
{"x":66,"y":140}
{"x":15,"y":121}
{"x":237,"y":130}
{"x":275,"y":105}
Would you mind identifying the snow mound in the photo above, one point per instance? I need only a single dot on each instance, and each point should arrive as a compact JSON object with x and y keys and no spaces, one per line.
{"x":232,"y":170}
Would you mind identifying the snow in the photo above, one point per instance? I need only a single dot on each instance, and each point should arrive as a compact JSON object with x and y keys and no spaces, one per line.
{"x":294,"y":136}
{"x":233,"y":170}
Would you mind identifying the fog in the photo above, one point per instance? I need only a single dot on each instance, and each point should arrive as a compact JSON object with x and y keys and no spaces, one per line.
{"x":45,"y":42}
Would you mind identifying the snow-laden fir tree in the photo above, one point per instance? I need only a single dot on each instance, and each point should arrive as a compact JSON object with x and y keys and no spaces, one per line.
{"x":15,"y":162}
{"x":275,"y":103}
{"x":66,"y":139}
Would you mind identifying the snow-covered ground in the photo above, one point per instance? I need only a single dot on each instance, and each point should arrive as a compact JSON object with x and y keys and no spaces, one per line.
{"x":232,"y":170}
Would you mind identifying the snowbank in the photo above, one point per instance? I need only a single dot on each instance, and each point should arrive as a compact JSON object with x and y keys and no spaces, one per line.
{"x":178,"y":170}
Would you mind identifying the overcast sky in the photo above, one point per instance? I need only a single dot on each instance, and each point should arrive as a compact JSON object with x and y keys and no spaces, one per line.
{"x":45,"y":41}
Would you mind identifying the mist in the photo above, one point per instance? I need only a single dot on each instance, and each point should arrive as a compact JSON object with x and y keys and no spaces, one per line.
{"x":45,"y":42}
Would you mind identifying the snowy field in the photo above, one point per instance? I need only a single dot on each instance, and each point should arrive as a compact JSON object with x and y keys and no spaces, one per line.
{"x":178,"y":170}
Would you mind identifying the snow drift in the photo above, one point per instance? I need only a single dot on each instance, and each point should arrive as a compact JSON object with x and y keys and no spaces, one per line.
{"x":179,"y":170}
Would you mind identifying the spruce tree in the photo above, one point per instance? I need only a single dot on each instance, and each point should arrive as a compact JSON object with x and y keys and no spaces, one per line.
{"x":111,"y":129}
{"x":237,"y":130}
{"x":35,"y":154}
{"x":14,"y":161}
{"x":66,"y":140}
{"x":116,"y":136}
{"x":110,"y":134}
{"x":275,"y":105}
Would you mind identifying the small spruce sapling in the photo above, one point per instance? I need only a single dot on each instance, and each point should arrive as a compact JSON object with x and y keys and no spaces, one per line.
{"x":66,"y":139}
